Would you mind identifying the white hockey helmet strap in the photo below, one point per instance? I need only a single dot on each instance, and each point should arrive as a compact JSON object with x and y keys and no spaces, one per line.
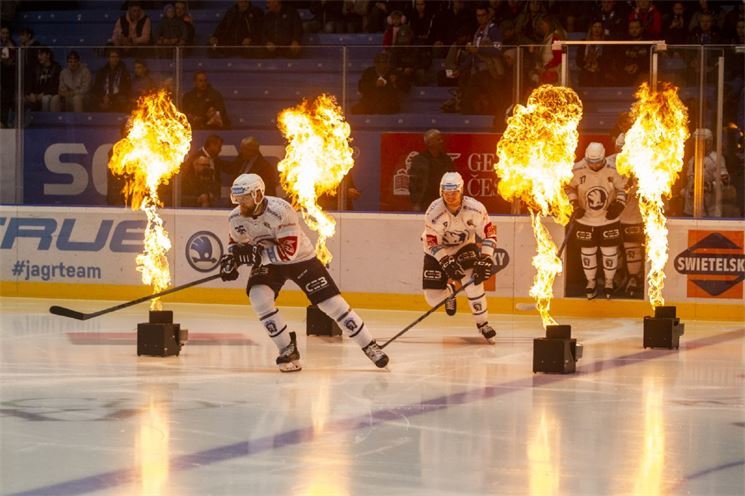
{"x":247,"y":185}
{"x":451,"y":181}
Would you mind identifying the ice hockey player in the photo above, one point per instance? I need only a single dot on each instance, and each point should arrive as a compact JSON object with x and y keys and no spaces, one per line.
{"x":265,"y":234}
{"x":451,"y":225}
{"x":598,"y":195}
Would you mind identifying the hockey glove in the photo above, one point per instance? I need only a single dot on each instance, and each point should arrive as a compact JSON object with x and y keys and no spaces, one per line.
{"x":228,"y":268}
{"x":579,"y":212}
{"x":246,"y":254}
{"x":482,"y":269}
{"x":452,"y":268}
{"x":614,"y":210}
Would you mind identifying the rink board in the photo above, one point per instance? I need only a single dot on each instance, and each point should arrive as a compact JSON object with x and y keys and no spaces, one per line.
{"x":89,"y":253}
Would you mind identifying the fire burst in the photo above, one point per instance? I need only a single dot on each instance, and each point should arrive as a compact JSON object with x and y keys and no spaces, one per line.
{"x":158,"y":139}
{"x":317,"y":158}
{"x":536,"y":157}
{"x":653,"y":154}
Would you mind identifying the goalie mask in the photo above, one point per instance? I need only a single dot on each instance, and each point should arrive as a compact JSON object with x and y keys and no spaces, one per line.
{"x":595,"y":156}
{"x":247,"y":185}
{"x":451,"y":189}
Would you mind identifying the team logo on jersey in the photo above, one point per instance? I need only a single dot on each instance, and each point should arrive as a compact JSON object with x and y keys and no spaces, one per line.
{"x":454,"y":237}
{"x":241,"y":229}
{"x":597,"y":198}
{"x":203,"y":251}
{"x":714,"y":264}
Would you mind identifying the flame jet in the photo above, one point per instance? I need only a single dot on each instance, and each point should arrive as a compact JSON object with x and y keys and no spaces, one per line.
{"x":317,"y":157}
{"x":653,"y":155}
{"x":158,"y":139}
{"x":535,"y":161}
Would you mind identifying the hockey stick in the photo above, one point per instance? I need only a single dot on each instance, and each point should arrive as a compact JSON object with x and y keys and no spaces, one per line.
{"x":74,"y":314}
{"x":425,"y":315}
{"x":570,"y":227}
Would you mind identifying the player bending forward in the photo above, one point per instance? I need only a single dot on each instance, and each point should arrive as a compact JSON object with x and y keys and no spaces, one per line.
{"x":265,"y":235}
{"x":451,"y":225}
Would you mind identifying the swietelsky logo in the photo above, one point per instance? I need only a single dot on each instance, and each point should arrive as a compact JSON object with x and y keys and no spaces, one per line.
{"x":714,"y":264}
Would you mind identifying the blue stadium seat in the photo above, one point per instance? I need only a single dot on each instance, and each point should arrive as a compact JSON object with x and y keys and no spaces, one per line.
{"x":84,"y":119}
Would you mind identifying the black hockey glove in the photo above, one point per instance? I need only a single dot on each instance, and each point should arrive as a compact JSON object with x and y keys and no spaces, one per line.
{"x":452,"y":268}
{"x":482,"y":269}
{"x":614,"y":210}
{"x":228,"y":268}
{"x":246,"y":254}
{"x":579,"y":212}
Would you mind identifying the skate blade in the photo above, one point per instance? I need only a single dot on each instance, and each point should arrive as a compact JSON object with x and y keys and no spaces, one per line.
{"x":290,"y":367}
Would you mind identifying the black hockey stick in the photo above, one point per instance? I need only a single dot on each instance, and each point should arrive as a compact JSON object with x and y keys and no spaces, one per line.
{"x":427,"y":314}
{"x":570,"y":228}
{"x":74,"y":314}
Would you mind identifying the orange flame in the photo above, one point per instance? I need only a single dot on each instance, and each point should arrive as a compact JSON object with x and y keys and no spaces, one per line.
{"x":653,"y":154}
{"x":535,"y":161}
{"x":158,"y":139}
{"x":317,"y":158}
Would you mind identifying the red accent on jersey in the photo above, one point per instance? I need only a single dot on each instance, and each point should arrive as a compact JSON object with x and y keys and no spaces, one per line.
{"x":287,"y":247}
{"x":490,"y":231}
{"x":431,"y":240}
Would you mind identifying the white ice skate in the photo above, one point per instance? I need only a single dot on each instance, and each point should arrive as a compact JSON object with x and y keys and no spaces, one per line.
{"x":375,"y":353}
{"x":488,"y":332}
{"x":289,"y":359}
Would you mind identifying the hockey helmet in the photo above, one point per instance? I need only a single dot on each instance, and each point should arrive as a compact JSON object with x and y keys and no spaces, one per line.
{"x":451,"y":181}
{"x":703,"y":133}
{"x":247,"y":185}
{"x":595,"y":155}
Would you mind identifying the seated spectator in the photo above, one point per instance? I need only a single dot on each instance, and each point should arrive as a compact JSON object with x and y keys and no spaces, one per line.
{"x":182,"y":12}
{"x":31,"y":45}
{"x":8,"y":68}
{"x":614,"y":16}
{"x":408,"y":61}
{"x":378,"y":87}
{"x":112,"y":85}
{"x":142,"y":81}
{"x":355,"y":15}
{"x":172,"y":30}
{"x":592,"y":60}
{"x":633,"y":60}
{"x":675,"y":25}
{"x":42,"y":84}
{"x":377,"y":14}
{"x":240,"y":27}
{"x":132,"y":29}
{"x":704,"y":7}
{"x":251,"y":161}
{"x":448,"y":23}
{"x":74,"y":86}
{"x":421,"y":19}
{"x":200,"y":186}
{"x":204,"y":105}
{"x":328,"y":16}
{"x":548,"y":67}
{"x":395,"y":21}
{"x":283,"y":30}
{"x":526,"y":23}
{"x":649,"y":19}
{"x":706,"y":33}
{"x":484,"y":67}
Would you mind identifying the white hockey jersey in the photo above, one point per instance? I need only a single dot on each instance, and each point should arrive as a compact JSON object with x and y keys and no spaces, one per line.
{"x":710,"y":180}
{"x":277,"y":229}
{"x":631,"y":213}
{"x":445,"y":233}
{"x":595,"y":190}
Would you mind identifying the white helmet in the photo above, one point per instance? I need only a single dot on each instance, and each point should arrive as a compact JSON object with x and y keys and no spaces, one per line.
{"x":451,"y":181}
{"x":594,"y":155}
{"x":703,"y":133}
{"x":247,"y":184}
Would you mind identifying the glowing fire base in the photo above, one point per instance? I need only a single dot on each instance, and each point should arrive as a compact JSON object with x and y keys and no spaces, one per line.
{"x":558,"y":352}
{"x":663,"y":330}
{"x":320,"y":324}
{"x":160,"y":336}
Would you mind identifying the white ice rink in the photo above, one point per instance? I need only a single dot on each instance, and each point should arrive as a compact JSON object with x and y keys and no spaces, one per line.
{"x":80,"y":413}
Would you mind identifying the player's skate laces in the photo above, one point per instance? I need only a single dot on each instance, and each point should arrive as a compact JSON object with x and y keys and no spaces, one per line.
{"x":376,"y":354}
{"x":488,"y":332}
{"x":451,"y":305}
{"x":289,"y":359}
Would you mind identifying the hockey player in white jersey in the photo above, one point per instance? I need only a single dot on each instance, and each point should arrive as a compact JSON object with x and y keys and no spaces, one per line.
{"x":266,"y":235}
{"x":714,"y":176}
{"x":598,"y":195}
{"x":451,"y":224}
{"x":632,"y":230}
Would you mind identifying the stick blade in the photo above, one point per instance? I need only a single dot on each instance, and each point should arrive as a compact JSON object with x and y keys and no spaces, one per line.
{"x":67,"y":312}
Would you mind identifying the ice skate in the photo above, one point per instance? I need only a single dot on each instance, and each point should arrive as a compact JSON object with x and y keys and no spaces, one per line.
{"x":289,"y":359}
{"x":451,"y":304}
{"x":376,"y":354}
{"x":608,"y":293}
{"x":591,"y":290}
{"x":488,"y":332}
{"x":632,"y":287}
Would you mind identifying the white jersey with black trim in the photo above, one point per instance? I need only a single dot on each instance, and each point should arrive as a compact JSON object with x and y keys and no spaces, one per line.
{"x":595,"y":190}
{"x":277,"y":229}
{"x":445,"y":233}
{"x":631,"y":213}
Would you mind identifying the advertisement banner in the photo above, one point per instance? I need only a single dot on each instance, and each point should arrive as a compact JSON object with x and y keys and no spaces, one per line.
{"x":474,"y":156}
{"x":713,"y":264}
